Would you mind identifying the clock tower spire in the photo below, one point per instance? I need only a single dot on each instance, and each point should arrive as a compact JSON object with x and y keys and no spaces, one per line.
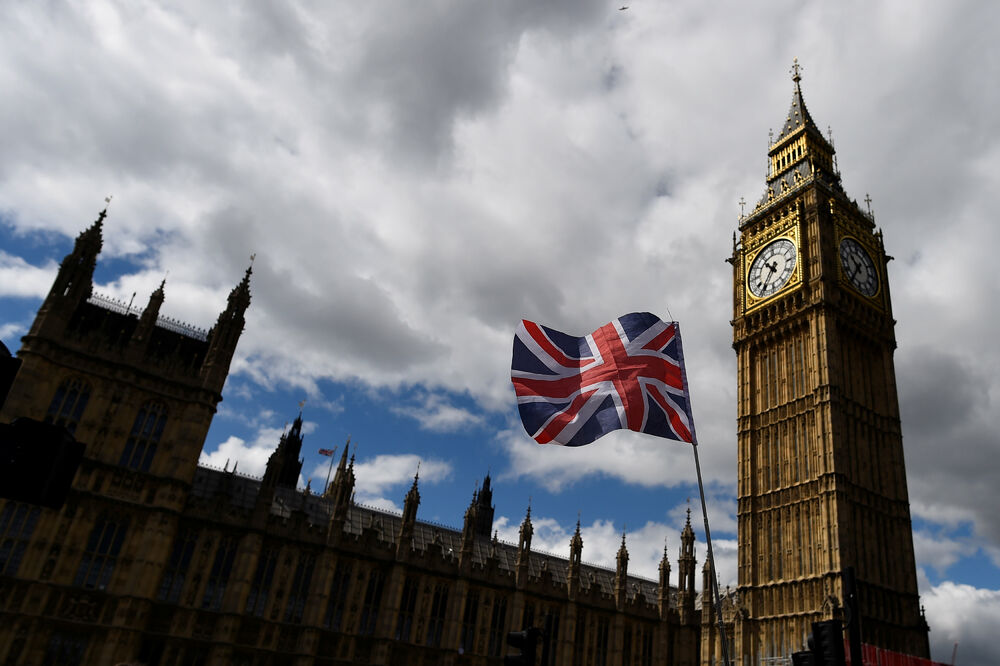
{"x":822,"y":480}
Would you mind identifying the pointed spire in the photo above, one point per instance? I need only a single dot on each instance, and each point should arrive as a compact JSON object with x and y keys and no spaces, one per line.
{"x":75,"y":278}
{"x":621,"y":575}
{"x":414,"y":493}
{"x":149,"y":317}
{"x":576,"y":544}
{"x":665,"y":566}
{"x":284,"y":465}
{"x":798,"y":114}
{"x":409,"y":518}
{"x":527,"y":531}
{"x":239,"y":297}
{"x":484,"y":511}
{"x":226,"y":333}
{"x":91,"y":239}
{"x":663,"y":591}
{"x":622,"y":557}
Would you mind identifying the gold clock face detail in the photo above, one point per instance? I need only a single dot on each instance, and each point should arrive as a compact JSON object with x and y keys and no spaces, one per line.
{"x":772,"y":268}
{"x":859,"y":269}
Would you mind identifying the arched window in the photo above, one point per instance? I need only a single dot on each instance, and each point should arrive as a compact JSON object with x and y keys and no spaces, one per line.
{"x":146,"y":430}
{"x":101,"y":553}
{"x":17,"y":523}
{"x":68,"y":404}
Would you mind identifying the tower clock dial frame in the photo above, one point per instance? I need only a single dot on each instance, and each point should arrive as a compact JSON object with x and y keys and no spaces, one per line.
{"x":857,"y":267}
{"x":773,"y":268}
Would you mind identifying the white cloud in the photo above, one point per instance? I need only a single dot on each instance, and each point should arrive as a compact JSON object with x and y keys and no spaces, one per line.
{"x":378,"y":476}
{"x":414,"y":181}
{"x":436,"y":415}
{"x":602,"y":539}
{"x":11,"y":330}
{"x":938,"y":551}
{"x":965,"y":615}
{"x":624,"y":455}
{"x":248,"y":458}
{"x":19,"y":278}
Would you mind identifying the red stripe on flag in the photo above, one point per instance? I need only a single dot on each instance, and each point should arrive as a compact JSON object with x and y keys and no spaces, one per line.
{"x":536,"y":333}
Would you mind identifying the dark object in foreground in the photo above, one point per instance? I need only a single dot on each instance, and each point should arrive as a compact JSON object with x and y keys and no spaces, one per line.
{"x":37,"y":462}
{"x":827,"y":643}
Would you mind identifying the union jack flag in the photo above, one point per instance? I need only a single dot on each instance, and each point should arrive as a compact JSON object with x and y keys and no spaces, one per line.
{"x":626,"y":374}
{"x":326,"y":452}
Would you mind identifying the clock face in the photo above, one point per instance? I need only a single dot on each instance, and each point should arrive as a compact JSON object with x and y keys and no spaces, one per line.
{"x":772,"y":268}
{"x":858,"y":267}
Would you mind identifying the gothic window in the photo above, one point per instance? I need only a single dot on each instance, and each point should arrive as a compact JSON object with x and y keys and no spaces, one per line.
{"x":260,"y":587}
{"x":146,"y":431}
{"x":439,"y":606}
{"x":372,"y":601}
{"x":300,"y":587}
{"x":101,"y":553}
{"x":68,"y":404}
{"x":177,"y":566}
{"x":627,"y":645}
{"x":468,"y":635}
{"x":602,"y":642}
{"x":528,"y":616}
{"x":218,"y":577}
{"x":17,"y":522}
{"x":647,"y":647}
{"x":497,"y":626}
{"x":67,"y":649}
{"x":406,"y":607}
{"x":338,"y":596}
{"x":580,"y":637}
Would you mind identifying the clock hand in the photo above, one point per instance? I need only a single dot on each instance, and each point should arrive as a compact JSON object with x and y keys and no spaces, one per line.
{"x":771,"y":267}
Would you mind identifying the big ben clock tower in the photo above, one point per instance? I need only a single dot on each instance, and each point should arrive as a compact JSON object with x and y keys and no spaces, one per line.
{"x":822,"y":482}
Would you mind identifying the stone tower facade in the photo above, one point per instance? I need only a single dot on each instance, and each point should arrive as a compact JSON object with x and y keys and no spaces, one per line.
{"x":139,"y":390}
{"x":156,"y":560}
{"x":822,"y":481}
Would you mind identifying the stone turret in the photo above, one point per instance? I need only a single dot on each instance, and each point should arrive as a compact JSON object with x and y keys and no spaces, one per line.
{"x":686,"y":567}
{"x":225,"y":334}
{"x":484,"y":509}
{"x":341,"y":492}
{"x":524,"y":549}
{"x":663,"y":594}
{"x":575,"y":555}
{"x":621,"y":575}
{"x":74,"y":282}
{"x":408,"y":523}
{"x":284,"y":464}
{"x":143,"y":331}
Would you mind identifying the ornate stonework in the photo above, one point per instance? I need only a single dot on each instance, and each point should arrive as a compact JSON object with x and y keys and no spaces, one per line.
{"x":822,"y":483}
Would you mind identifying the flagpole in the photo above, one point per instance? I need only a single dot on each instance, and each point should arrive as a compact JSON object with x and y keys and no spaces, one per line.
{"x":704,"y":508}
{"x":711,"y":560}
{"x":329,"y":469}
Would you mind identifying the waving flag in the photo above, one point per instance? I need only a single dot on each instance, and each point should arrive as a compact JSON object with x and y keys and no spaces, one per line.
{"x":626,"y":374}
{"x":326,"y":452}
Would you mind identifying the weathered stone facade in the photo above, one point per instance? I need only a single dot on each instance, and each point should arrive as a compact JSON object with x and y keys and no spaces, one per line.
{"x":822,"y":482}
{"x":154,"y":559}
{"x":157,"y":560}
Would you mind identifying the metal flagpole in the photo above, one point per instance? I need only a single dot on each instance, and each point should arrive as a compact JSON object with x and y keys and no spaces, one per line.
{"x":330,"y":469}
{"x":704,"y":507}
{"x":711,"y":561}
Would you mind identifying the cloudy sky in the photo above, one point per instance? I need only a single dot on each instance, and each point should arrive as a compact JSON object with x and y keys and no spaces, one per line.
{"x":415,"y":178}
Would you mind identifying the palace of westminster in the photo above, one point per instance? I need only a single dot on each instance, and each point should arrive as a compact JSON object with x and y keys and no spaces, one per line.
{"x":153,"y":559}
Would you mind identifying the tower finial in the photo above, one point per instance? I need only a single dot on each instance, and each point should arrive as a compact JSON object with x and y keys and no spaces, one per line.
{"x":104,"y":213}
{"x":796,"y":71}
